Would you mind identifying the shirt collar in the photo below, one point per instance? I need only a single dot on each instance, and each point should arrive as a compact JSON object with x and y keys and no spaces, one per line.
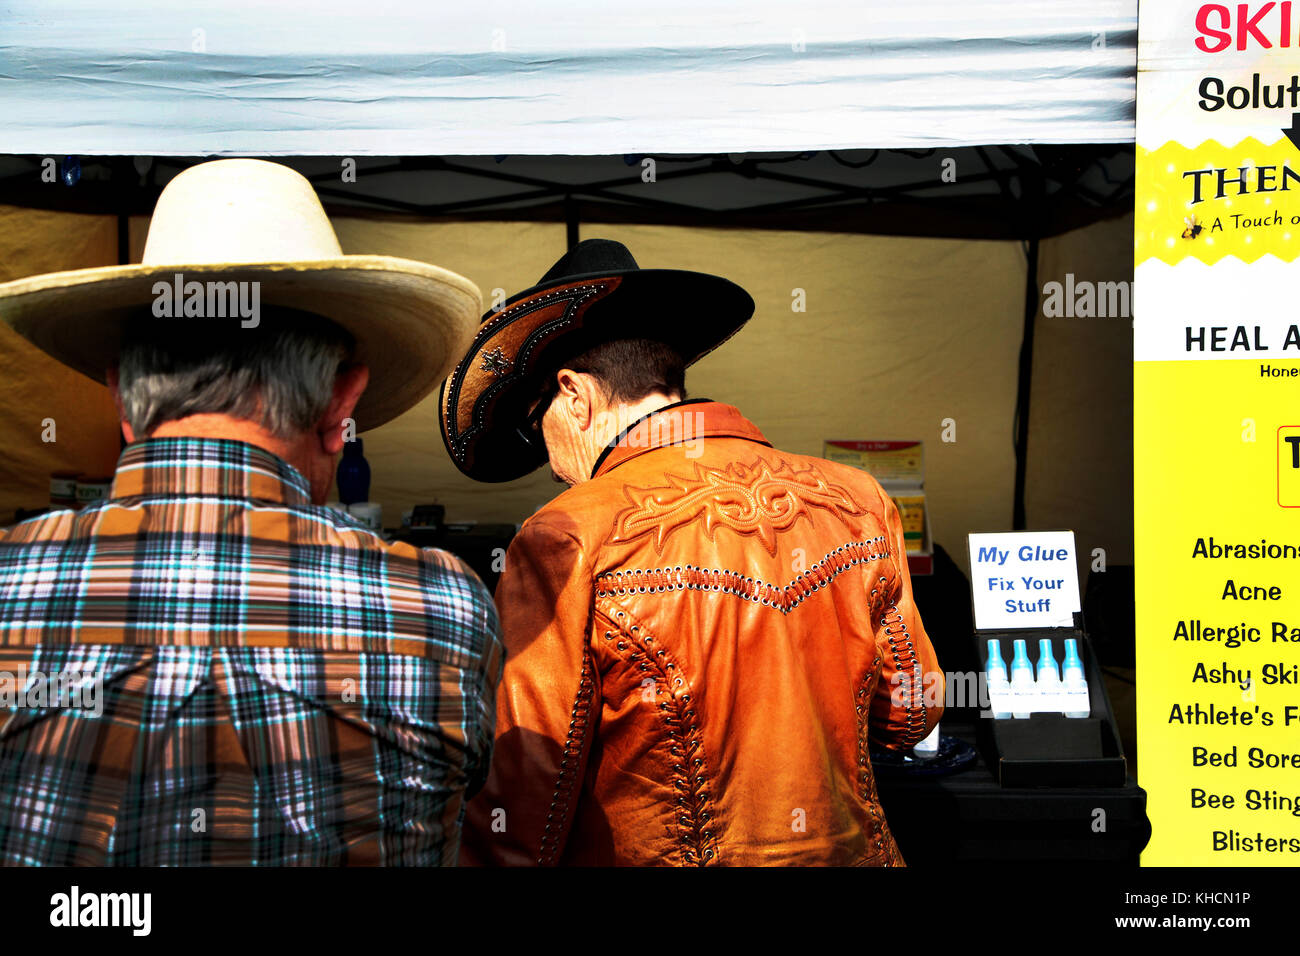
{"x":212,"y":467}
{"x":676,"y":424}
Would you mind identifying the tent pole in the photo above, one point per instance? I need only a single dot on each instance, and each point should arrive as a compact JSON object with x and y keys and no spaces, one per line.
{"x":1026,"y":380}
{"x":571,"y":221}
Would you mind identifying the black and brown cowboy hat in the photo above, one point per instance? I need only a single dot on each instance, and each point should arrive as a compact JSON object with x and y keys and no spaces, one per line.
{"x":596,"y":293}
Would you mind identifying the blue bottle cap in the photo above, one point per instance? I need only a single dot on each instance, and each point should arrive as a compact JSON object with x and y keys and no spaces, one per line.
{"x":1046,"y":661}
{"x":1072,"y":661}
{"x":1021,"y":658}
{"x":995,"y":663}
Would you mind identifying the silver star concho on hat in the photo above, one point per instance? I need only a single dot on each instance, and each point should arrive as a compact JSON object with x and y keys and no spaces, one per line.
{"x":496,"y":362}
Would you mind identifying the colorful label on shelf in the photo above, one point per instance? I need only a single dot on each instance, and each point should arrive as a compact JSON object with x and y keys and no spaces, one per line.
{"x":889,"y":462}
{"x":911,"y":509}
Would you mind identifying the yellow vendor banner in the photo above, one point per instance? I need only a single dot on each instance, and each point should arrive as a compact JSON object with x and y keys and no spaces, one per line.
{"x":1217,"y":431}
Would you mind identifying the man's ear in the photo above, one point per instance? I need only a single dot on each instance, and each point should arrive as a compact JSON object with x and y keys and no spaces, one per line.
{"x":111,"y":380}
{"x":348,"y":386}
{"x":577,"y":395}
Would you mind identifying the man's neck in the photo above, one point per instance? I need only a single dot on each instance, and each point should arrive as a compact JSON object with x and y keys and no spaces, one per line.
{"x":223,"y":426}
{"x":295,"y":451}
{"x":634,"y":412}
{"x":614,"y":420}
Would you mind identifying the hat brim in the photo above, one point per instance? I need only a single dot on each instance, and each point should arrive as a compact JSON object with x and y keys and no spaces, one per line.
{"x":483,"y":404}
{"x":410,"y":320}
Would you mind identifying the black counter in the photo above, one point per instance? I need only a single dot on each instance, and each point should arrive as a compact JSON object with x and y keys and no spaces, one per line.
{"x":967,"y":817}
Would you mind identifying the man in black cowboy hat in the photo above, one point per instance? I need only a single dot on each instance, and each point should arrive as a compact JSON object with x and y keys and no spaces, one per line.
{"x":704,"y":635}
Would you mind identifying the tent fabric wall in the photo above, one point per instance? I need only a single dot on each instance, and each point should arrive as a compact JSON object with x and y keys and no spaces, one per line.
{"x":897,"y":335}
{"x":1080,"y":462}
{"x":338,"y":78}
{"x":35,"y":390}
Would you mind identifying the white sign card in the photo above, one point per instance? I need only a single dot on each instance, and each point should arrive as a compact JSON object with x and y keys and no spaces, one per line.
{"x":1024,"y":579}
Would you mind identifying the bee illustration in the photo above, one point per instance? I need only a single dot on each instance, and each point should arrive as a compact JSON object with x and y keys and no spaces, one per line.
{"x":1193,"y":227}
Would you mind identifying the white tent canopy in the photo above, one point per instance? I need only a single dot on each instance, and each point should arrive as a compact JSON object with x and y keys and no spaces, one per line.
{"x":336,"y":77}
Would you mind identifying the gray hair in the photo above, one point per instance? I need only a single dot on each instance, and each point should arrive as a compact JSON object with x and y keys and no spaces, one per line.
{"x":279,"y":374}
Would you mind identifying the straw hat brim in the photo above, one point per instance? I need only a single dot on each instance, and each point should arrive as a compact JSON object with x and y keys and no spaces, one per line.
{"x":411,"y":321}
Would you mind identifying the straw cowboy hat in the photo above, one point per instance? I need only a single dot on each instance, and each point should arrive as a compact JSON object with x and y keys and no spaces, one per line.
{"x":596,"y":293}
{"x":250,"y":221}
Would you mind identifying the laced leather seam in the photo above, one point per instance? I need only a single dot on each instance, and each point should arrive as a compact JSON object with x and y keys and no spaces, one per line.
{"x":634,"y":644}
{"x":566,"y":779}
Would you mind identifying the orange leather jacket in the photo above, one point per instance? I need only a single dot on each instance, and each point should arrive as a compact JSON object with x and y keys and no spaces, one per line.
{"x":702,"y":642}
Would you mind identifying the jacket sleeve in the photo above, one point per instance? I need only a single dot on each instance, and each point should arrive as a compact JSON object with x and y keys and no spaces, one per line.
{"x":909,"y":695}
{"x":545,"y":706}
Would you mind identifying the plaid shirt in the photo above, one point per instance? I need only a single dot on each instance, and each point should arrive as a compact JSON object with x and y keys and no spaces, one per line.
{"x":207,"y":668}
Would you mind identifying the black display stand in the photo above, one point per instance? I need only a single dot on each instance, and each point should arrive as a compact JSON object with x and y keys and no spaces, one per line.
{"x":1047,"y":788}
{"x":1052,"y":750}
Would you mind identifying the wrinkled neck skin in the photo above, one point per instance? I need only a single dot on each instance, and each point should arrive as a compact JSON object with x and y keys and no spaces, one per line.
{"x":575,"y":440}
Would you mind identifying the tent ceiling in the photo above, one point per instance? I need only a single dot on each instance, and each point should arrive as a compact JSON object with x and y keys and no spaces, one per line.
{"x":980,"y":192}
{"x":387,"y":78}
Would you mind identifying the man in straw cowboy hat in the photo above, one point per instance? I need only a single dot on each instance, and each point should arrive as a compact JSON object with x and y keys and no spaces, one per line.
{"x":704,"y":635}
{"x":279,"y":685}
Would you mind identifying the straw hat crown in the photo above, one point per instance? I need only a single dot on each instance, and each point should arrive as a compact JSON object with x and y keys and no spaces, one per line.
{"x":239,"y":210}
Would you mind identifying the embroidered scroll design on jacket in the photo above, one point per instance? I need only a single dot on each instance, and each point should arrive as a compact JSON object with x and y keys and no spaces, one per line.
{"x":758,"y":499}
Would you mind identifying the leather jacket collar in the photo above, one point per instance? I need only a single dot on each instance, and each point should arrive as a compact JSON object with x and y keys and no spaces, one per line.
{"x":676,"y":424}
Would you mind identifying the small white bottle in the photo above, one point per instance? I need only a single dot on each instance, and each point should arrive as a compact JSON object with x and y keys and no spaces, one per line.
{"x":1050,"y":698}
{"x":1077,"y":702}
{"x":928,"y":748}
{"x":1024,"y":698}
{"x":995,"y":678}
